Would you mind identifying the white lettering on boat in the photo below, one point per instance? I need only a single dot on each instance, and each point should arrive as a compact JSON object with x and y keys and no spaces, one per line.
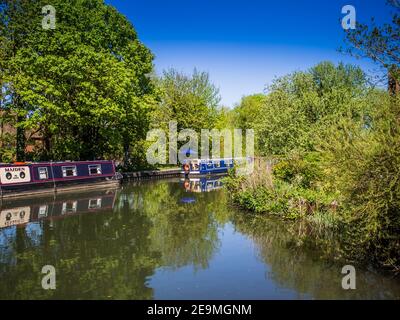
{"x":12,"y":175}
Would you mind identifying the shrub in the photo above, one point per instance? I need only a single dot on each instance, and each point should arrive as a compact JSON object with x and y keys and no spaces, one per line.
{"x":300,"y":170}
{"x":362,"y":164}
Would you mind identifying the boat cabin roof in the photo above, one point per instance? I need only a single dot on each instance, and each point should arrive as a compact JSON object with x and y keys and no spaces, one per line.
{"x":18,"y":164}
{"x":218,"y":160}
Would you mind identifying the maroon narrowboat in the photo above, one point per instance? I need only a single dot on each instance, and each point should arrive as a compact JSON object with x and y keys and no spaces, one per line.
{"x":36,"y":178}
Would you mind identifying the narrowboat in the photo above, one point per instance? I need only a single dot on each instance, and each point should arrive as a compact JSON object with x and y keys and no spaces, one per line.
{"x":211,"y":166}
{"x":36,"y":178}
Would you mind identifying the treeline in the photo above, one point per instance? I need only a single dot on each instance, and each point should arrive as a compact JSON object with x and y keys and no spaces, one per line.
{"x":86,"y":89}
{"x":334,"y":140}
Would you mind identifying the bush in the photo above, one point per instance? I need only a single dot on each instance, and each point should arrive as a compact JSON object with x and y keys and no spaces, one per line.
{"x":302,"y":171}
{"x":362,"y":164}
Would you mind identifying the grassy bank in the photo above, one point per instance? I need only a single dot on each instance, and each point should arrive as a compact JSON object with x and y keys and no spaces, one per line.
{"x":280,"y":190}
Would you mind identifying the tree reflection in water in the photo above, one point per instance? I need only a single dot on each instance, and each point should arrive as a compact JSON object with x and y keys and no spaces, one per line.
{"x":107,"y":254}
{"x":311,"y":266}
{"x":111,"y":245}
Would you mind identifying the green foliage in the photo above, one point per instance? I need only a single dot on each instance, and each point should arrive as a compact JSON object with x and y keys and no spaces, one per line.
{"x":297,"y":170}
{"x":7,"y":139}
{"x":191,"y":100}
{"x":335,"y":145}
{"x":249,"y":109}
{"x":137,"y":160}
{"x":283,"y":199}
{"x":300,"y":105}
{"x":263,"y":201}
{"x":379,"y":43}
{"x":364,"y":165}
{"x":83,"y":86}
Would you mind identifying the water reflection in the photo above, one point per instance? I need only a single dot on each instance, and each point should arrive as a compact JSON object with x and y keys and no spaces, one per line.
{"x":147,"y":240}
{"x":110,"y":254}
{"x":307,"y":265}
{"x":14,"y":212}
{"x":202,"y":184}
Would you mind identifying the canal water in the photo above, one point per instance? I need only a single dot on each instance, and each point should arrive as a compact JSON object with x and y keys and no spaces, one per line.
{"x":167,"y":239}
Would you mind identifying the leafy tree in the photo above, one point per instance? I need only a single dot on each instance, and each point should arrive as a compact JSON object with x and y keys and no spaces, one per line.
{"x":16,"y":21}
{"x":361,"y":164}
{"x":84,"y":83}
{"x":379,"y":43}
{"x":248,"y":111}
{"x":299,"y":106}
{"x":191,"y":100}
{"x":339,"y":141}
{"x":225,"y":118}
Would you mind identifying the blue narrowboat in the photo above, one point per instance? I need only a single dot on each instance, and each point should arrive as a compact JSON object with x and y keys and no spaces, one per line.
{"x":211,"y":166}
{"x":207,"y":166}
{"x":35,"y":178}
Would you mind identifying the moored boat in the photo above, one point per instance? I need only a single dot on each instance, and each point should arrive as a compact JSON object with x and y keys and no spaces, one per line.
{"x":36,"y":178}
{"x":212,"y":166}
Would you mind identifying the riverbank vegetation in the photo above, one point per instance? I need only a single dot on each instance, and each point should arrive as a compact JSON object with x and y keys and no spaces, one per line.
{"x":346,"y":181}
{"x":333,"y":141}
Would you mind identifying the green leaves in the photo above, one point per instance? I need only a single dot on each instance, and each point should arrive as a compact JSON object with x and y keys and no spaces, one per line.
{"x":192,"y":100}
{"x":337,"y":141}
{"x":379,"y":43}
{"x":301,"y":105}
{"x":83,"y":86}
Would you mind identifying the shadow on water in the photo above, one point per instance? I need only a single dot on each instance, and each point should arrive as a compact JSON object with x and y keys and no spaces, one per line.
{"x":165,"y":239}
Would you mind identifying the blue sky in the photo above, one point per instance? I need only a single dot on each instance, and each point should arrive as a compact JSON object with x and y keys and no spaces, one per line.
{"x":244,"y":45}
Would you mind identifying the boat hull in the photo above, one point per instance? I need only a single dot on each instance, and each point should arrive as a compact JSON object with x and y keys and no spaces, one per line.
{"x":49,"y":188}
{"x":31,"y":179}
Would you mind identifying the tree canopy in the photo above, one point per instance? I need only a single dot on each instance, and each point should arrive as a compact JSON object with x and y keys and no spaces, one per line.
{"x":191,"y":100}
{"x":298,"y":106}
{"x":379,"y":43}
{"x":82,"y":86}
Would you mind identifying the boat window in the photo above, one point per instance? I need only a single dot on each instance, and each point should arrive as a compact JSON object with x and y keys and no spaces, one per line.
{"x":43,"y":173}
{"x":95,"y":203}
{"x":69,"y":172}
{"x":217,"y":164}
{"x":69,"y":207}
{"x":195,"y":166}
{"x":43,"y":211}
{"x":210,"y":164}
{"x":94,"y":169}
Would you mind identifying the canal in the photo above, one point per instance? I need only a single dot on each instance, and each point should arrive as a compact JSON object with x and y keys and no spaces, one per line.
{"x":167,"y":239}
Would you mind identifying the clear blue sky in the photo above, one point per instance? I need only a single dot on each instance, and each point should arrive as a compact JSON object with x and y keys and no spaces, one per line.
{"x":244,"y":45}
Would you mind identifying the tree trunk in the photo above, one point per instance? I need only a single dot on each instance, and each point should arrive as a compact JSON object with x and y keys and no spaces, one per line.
{"x":47,"y":144}
{"x":21,"y":140}
{"x":1,"y":130}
